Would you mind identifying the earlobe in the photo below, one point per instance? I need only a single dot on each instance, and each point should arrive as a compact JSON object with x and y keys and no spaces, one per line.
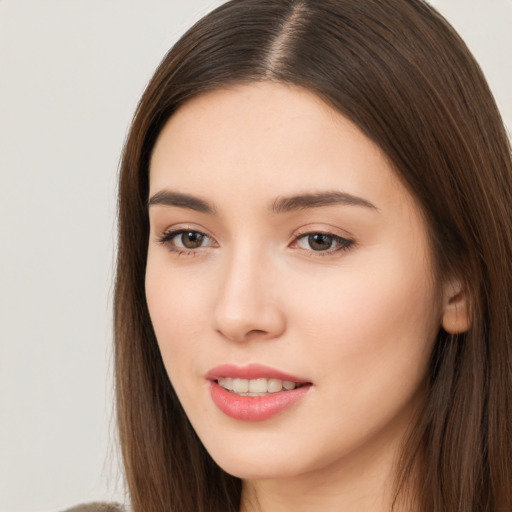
{"x":456,"y":308}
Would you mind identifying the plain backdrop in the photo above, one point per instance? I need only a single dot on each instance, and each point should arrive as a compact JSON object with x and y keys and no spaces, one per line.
{"x":71,"y":73}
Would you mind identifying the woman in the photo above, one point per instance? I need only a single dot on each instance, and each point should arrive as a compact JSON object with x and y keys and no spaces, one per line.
{"x":313,"y":292}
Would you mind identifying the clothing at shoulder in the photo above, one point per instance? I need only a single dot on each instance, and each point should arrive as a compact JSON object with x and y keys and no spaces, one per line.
{"x":97,"y":507}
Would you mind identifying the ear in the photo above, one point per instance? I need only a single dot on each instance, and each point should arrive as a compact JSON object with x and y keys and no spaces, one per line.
{"x":456,"y":310}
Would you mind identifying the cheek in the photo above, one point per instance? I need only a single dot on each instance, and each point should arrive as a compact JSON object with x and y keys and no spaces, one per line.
{"x":176,"y":307}
{"x":372,"y":331}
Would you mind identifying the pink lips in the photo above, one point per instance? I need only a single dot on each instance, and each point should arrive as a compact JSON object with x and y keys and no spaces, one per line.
{"x":256,"y":408}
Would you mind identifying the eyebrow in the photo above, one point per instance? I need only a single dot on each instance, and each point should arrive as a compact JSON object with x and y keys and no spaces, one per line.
{"x":168,"y":198}
{"x":280,"y":205}
{"x":317,"y":200}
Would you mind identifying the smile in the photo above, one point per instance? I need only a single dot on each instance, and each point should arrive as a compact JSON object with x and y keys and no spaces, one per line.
{"x":256,"y":387}
{"x":255,"y":392}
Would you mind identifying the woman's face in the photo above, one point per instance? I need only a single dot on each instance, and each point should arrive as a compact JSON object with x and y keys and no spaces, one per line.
{"x":287,"y":262}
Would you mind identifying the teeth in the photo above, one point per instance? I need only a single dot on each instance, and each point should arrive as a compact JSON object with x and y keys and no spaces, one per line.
{"x":287,"y":384}
{"x":240,"y":385}
{"x":274,"y":385}
{"x":227,"y":384}
{"x":256,"y":387}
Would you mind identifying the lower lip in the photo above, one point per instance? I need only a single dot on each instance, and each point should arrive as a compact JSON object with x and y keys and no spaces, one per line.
{"x":255,"y":408}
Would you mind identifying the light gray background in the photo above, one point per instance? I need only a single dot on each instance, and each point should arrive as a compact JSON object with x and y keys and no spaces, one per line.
{"x":71,"y":72}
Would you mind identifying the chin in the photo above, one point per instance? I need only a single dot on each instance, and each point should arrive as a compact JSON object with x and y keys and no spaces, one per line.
{"x":256,"y":464}
{"x":255,"y":471}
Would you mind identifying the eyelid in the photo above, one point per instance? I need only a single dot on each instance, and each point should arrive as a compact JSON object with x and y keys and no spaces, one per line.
{"x":326,"y":229}
{"x":181,"y":227}
{"x":341,"y":242}
{"x":167,"y":236}
{"x":344,"y":242}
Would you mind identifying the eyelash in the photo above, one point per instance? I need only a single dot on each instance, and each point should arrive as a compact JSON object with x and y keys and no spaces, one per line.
{"x":342,"y":244}
{"x":168,"y":237}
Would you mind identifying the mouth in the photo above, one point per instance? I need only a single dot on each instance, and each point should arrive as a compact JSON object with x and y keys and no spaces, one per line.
{"x":255,"y":392}
{"x":256,"y":387}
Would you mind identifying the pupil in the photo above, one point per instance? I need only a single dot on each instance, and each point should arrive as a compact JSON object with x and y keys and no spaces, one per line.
{"x":192,"y":240}
{"x":320,"y":242}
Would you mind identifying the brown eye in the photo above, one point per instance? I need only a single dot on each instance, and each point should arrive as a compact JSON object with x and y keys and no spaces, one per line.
{"x":191,"y":239}
{"x":323,"y":242}
{"x":320,"y":241}
{"x":185,"y":241}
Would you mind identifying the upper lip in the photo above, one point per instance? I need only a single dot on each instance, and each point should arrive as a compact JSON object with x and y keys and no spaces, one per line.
{"x":251,"y":371}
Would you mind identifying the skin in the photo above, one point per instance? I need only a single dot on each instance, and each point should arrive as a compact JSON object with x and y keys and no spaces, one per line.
{"x":357,"y":320}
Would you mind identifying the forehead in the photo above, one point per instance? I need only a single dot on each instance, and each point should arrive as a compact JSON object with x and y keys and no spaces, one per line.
{"x":265,"y":134}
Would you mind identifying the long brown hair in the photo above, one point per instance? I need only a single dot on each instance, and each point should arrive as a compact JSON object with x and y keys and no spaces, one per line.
{"x":405,"y":78}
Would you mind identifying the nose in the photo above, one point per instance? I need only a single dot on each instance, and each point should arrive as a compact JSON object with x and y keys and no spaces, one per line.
{"x":248,"y":303}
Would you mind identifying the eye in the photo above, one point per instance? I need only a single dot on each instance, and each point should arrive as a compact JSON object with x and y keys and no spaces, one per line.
{"x":323,"y":242}
{"x":190,"y":239}
{"x":185,"y":240}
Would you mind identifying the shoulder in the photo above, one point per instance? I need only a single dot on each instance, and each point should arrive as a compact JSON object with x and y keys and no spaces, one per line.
{"x":97,"y":507}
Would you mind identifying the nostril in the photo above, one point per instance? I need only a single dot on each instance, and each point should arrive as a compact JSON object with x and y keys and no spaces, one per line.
{"x":256,"y":331}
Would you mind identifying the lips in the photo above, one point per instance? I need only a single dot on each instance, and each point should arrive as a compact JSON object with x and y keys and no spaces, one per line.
{"x":251,"y":371}
{"x":256,"y":387}
{"x":254,"y":392}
